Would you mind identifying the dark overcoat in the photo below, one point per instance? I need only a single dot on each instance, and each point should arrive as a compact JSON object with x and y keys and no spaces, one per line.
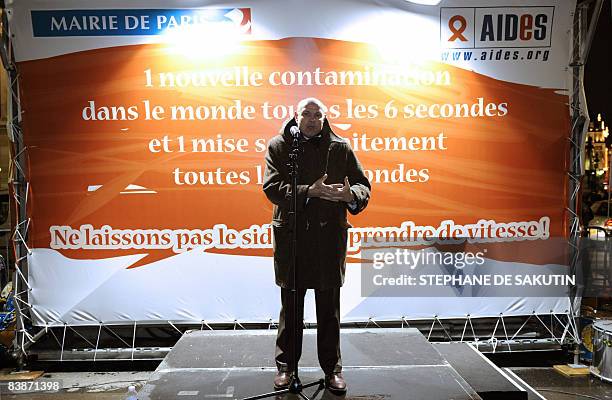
{"x":322,"y":224}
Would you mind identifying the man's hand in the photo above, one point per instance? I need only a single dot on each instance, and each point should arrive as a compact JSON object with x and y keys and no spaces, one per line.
{"x":334,"y":192}
{"x":347,"y":195}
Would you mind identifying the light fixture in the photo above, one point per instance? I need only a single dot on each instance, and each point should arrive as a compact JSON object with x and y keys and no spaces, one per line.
{"x":425,"y":2}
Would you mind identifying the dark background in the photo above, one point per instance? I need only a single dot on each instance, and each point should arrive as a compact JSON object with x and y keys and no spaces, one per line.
{"x":598,"y":69}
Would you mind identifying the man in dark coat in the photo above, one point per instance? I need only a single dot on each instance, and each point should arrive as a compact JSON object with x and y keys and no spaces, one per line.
{"x":330,"y":182}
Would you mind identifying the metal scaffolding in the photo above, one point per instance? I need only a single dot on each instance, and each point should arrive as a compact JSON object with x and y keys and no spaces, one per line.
{"x":148,"y":341}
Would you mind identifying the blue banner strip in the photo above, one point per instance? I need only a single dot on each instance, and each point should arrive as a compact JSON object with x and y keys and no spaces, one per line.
{"x":121,"y":22}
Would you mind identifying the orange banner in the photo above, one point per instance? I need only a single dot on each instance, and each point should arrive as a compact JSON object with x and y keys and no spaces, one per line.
{"x":138,"y":150}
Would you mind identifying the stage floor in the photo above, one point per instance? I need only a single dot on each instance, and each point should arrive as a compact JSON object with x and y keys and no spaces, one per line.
{"x":377,"y":364}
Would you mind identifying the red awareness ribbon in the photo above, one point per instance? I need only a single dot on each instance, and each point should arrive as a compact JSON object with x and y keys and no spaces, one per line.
{"x":457,"y":32}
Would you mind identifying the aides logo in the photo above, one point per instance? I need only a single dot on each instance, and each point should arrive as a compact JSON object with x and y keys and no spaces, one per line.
{"x":491,"y":27}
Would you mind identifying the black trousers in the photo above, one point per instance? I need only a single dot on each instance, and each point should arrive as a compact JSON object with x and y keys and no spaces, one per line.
{"x":328,"y":330}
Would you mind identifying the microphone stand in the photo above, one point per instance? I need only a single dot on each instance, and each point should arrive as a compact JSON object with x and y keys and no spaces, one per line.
{"x":295,"y":385}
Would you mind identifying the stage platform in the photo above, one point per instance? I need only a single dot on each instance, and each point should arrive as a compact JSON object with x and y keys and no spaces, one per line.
{"x":379,"y":364}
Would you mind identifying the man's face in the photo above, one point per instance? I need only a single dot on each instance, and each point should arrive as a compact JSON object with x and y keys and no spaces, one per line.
{"x":310,"y":120}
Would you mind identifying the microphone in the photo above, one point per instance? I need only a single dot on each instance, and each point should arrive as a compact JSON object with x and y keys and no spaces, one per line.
{"x":295,"y":132}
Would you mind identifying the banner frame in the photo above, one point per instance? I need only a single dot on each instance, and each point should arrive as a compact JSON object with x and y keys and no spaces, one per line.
{"x":27,"y":335}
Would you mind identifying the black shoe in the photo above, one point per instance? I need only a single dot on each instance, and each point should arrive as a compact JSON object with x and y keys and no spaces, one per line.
{"x":335,"y":383}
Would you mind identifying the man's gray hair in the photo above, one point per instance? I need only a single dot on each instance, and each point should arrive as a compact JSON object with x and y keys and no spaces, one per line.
{"x":311,"y":100}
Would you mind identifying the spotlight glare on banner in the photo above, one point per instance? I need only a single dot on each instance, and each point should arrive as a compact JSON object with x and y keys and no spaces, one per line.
{"x":393,"y":40}
{"x":204,"y":41}
{"x":396,"y":50}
